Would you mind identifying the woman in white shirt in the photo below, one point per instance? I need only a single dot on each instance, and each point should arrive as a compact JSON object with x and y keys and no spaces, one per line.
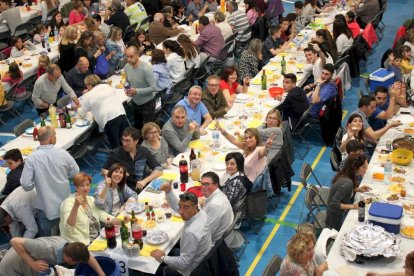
{"x":222,"y":24}
{"x":175,"y":59}
{"x":353,"y":131}
{"x":342,"y":36}
{"x":309,"y":9}
{"x":190,"y":51}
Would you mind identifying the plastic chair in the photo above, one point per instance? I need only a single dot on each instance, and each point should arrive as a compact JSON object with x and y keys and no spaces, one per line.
{"x":20,"y":128}
{"x":273,"y":266}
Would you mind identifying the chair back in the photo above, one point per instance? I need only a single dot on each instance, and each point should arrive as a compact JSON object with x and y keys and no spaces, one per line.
{"x":256,"y":204}
{"x":335,"y":161}
{"x":273,"y":266}
{"x":145,"y":21}
{"x":27,"y":82}
{"x":20,"y":128}
{"x":313,"y":200}
{"x":339,"y":62}
{"x":64,"y":101}
{"x":129,"y":32}
{"x":11,"y":93}
{"x":300,"y":124}
{"x":232,"y":37}
{"x":304,"y":174}
{"x":181,"y":87}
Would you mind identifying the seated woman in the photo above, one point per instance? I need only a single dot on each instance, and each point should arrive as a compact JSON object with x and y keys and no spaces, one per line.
{"x":235,"y":184}
{"x":344,"y":185}
{"x":252,"y":11}
{"x":250,"y":59}
{"x":273,"y":126}
{"x":190,"y":51}
{"x":112,"y":194}
{"x":352,"y":23}
{"x":85,"y":48}
{"x":141,"y":41}
{"x":115,"y":45}
{"x":79,"y":216}
{"x":342,"y":36}
{"x":255,"y":161}
{"x":157,"y":145}
{"x":325,"y":41}
{"x":161,"y":73}
{"x":230,"y":86}
{"x":169,"y":20}
{"x":39,"y":33}
{"x":18,"y":47}
{"x":56,"y":22}
{"x":15,"y":76}
{"x":353,"y":131}
{"x":76,"y":16}
{"x":300,"y":256}
{"x":175,"y":59}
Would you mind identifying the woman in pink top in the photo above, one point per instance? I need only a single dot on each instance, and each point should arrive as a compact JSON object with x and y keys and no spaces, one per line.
{"x":76,"y":16}
{"x":229,"y":85}
{"x":15,"y":75}
{"x":255,"y":160}
{"x":252,"y":12}
{"x":352,"y":24}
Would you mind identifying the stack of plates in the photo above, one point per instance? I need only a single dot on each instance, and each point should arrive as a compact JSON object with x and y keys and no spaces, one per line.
{"x":242,"y":97}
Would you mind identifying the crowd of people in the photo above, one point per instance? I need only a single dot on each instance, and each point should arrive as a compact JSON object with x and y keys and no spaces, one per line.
{"x":93,"y":45}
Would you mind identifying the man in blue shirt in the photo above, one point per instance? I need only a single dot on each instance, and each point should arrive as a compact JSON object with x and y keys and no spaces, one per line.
{"x":196,"y":110}
{"x":385,"y":107}
{"x":325,"y":90}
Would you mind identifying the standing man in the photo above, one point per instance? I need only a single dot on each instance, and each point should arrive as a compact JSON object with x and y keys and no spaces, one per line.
{"x":47,"y":87}
{"x":76,"y":76}
{"x":195,"y":242}
{"x":217,"y":206}
{"x":36,"y":256}
{"x":143,"y":88}
{"x":178,"y":131}
{"x":196,"y":110}
{"x":48,"y":169}
{"x":136,"y":159}
{"x":18,"y":212}
{"x":214,"y":99}
{"x":295,"y":102}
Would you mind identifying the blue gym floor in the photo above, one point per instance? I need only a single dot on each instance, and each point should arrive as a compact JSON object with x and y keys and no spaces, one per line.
{"x":280,"y":223}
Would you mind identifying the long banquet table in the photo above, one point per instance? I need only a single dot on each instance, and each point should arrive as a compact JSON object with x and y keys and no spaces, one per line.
{"x":380,"y":190}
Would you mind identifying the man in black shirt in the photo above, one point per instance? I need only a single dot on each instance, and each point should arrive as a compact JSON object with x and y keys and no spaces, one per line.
{"x":135,"y":159}
{"x":295,"y":102}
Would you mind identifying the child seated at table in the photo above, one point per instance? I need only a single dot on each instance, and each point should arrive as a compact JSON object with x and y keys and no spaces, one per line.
{"x":406,"y":67}
{"x":39,"y":32}
{"x":14,"y":161}
{"x":13,"y":76}
{"x":18,"y":47}
{"x":395,"y":60}
{"x":44,"y":62}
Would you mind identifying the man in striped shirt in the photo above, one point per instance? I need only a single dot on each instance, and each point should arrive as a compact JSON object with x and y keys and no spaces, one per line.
{"x":238,"y":21}
{"x":136,"y":13}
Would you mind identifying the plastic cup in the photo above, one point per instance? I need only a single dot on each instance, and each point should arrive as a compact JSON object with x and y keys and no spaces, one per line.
{"x":182,"y":187}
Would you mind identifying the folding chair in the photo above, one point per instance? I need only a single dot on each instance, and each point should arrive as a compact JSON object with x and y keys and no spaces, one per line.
{"x":299,"y":131}
{"x":11,"y":100}
{"x":28,"y":84}
{"x":79,"y":150}
{"x":177,"y":91}
{"x":20,"y":128}
{"x":218,"y":65}
{"x":305,"y":173}
{"x":314,"y":204}
{"x":335,"y":158}
{"x":273,"y":266}
{"x":145,"y":21}
{"x":129,"y":32}
{"x":201,"y":73}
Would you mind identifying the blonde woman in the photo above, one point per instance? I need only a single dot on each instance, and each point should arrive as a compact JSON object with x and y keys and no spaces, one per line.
{"x":157,"y":145}
{"x":115,"y":45}
{"x":79,"y":217}
{"x":300,"y":256}
{"x":67,"y":49}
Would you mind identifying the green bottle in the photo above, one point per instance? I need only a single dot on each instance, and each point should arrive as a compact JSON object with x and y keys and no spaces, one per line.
{"x":264,"y":80}
{"x":68,"y":120}
{"x":124,"y":232}
{"x":283,"y":65}
{"x":132,"y":218}
{"x":42,"y":121}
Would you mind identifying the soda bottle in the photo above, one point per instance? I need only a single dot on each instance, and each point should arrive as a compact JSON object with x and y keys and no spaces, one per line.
{"x":110,"y":234}
{"x":264,"y":80}
{"x":42,"y":121}
{"x":124,"y":232}
{"x":216,"y":140}
{"x":62,"y":120}
{"x":183,"y":166}
{"x":136,"y":229}
{"x":361,"y":211}
{"x":35,"y":132}
{"x":283,"y":65}
{"x":387,"y":171}
{"x":68,"y":120}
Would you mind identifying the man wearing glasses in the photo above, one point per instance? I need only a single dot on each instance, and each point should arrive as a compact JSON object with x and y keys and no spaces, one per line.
{"x":195,"y":242}
{"x":214,"y":99}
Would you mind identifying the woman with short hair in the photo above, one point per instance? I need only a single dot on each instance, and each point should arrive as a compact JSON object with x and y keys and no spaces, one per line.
{"x":250,"y":59}
{"x":156,"y":144}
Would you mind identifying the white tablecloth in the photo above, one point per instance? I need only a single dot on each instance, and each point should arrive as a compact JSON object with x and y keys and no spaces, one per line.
{"x":24,"y":14}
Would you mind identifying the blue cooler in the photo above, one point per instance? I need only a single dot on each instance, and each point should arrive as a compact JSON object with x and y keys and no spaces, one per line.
{"x":381,"y":77}
{"x":386,"y":215}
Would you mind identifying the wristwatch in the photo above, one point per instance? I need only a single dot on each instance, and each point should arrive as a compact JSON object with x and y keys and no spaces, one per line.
{"x":318,"y":84}
{"x":162,"y":259}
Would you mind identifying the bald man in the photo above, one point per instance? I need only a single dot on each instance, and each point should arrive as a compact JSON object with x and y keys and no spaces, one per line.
{"x":76,"y":76}
{"x":47,"y":86}
{"x":157,"y":32}
{"x":48,"y":169}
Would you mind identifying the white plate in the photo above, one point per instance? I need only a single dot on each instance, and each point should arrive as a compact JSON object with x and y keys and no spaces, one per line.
{"x":82,"y":122}
{"x":242,"y":97}
{"x":272,"y":103}
{"x":384,"y":198}
{"x":165,"y":226}
{"x":117,"y":230}
{"x":219,"y":166}
{"x":231,"y":113}
{"x":137,"y":207}
{"x":160,"y":218}
{"x":156,"y":237}
{"x":29,"y":130}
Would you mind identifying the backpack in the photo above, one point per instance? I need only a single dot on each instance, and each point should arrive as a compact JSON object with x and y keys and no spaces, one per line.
{"x":102,"y":66}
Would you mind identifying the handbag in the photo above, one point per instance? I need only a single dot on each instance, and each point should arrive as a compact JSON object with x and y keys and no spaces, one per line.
{"x":102,"y":66}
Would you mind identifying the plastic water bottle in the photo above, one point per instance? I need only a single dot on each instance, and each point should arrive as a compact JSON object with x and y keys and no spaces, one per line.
{"x":387,"y":171}
{"x":343,"y":4}
{"x":305,"y":37}
{"x":216,"y":140}
{"x":55,"y":33}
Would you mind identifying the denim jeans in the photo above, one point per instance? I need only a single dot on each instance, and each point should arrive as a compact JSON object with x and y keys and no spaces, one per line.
{"x":114,"y":128}
{"x":45,"y":225}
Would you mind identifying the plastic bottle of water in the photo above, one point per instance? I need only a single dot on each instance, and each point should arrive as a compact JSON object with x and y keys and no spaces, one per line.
{"x":343,"y":4}
{"x":55,"y":33}
{"x":216,"y":140}
{"x":387,"y":171}
{"x":305,"y":37}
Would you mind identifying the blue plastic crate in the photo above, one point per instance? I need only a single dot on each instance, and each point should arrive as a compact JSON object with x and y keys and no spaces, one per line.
{"x":386,"y":215}
{"x":381,"y":77}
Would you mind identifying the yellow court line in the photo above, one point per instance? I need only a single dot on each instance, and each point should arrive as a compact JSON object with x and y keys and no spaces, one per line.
{"x":282,"y":217}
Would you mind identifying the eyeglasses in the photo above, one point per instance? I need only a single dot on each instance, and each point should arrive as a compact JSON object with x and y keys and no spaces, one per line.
{"x":188,"y":197}
{"x":206,"y":184}
{"x":152,"y":133}
{"x":213,"y":84}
